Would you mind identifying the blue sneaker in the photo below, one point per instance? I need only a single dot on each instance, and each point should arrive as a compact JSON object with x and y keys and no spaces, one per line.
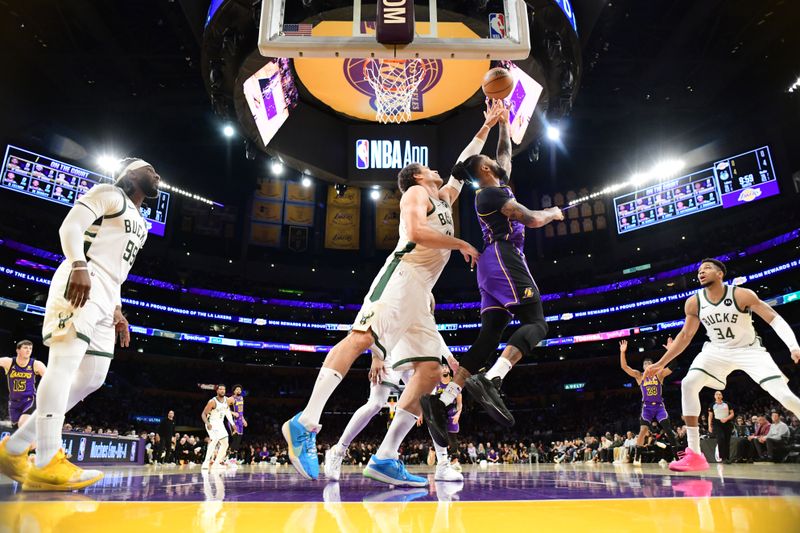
{"x":393,"y":472}
{"x":302,"y":447}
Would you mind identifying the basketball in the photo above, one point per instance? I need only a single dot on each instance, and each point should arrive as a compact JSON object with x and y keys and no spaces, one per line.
{"x":497,"y":83}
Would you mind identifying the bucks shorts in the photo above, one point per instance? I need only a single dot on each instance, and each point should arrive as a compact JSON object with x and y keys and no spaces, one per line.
{"x":717,"y":363}
{"x":93,"y":323}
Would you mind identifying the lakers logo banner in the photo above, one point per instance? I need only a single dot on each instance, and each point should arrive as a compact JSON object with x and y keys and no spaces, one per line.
{"x":342,"y":220}
{"x":387,"y":220}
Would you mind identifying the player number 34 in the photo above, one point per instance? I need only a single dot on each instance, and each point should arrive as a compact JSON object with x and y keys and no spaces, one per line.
{"x":722,"y":336}
{"x":130,"y":252}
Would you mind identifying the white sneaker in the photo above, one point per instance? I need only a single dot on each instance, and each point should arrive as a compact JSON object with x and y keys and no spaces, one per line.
{"x":333,"y":462}
{"x":456,"y":466}
{"x":445,"y":472}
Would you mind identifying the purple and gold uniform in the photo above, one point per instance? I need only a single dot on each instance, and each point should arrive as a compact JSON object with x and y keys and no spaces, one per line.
{"x":21,"y":389}
{"x":238,"y":408}
{"x":452,"y":425}
{"x":504,"y":278}
{"x":652,"y":401}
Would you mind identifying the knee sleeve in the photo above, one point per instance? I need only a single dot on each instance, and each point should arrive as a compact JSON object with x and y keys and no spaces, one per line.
{"x":691,"y":386}
{"x":778,"y":389}
{"x":493,"y":323}
{"x":533,"y":330}
{"x":63,"y":364}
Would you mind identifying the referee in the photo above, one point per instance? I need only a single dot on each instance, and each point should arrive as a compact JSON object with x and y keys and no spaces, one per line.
{"x":720,"y":424}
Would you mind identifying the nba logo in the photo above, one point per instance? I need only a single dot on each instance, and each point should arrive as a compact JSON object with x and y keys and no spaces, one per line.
{"x":497,"y":26}
{"x":81,"y":449}
{"x":362,"y":154}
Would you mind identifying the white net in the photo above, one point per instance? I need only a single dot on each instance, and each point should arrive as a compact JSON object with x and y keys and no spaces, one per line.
{"x":394,"y":82}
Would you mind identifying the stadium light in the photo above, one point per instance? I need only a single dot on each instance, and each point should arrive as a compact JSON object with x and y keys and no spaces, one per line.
{"x":228,"y":131}
{"x":553,"y":133}
{"x":108,"y":163}
{"x":795,"y":86}
{"x":276,"y":167}
{"x":306,"y":181}
{"x":375,"y":194}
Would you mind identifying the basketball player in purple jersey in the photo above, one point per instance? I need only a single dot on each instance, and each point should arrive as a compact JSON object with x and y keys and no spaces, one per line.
{"x":453,"y":417}
{"x":506,"y":286}
{"x":239,"y":423}
{"x":653,"y":408}
{"x":21,"y":372}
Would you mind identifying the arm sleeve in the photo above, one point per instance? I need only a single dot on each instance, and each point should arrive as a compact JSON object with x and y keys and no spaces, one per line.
{"x":71,"y":232}
{"x":473,"y":148}
{"x":491,"y":199}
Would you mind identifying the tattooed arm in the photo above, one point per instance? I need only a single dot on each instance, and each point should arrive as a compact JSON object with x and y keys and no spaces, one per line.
{"x":532,"y":219}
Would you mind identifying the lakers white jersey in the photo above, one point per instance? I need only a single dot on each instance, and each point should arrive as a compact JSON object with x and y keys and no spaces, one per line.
{"x":428,"y":262}
{"x":726,"y":325}
{"x":220,"y":411}
{"x":118,"y":233}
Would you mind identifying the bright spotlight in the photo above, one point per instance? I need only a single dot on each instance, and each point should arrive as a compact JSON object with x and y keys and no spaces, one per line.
{"x":228,"y":131}
{"x":108,"y":163}
{"x":666,"y":169}
{"x":375,"y":194}
{"x":475,"y":184}
{"x":276,"y":167}
{"x":553,"y":133}
{"x":306,"y":181}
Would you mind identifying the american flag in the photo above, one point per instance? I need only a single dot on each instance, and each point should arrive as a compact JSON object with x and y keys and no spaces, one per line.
{"x":299,"y":30}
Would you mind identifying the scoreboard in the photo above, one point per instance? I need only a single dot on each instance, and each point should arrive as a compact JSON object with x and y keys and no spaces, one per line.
{"x":728,"y":183}
{"x":43,"y":177}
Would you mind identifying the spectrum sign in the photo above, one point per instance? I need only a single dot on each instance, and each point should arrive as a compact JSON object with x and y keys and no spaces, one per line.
{"x":388,"y":154}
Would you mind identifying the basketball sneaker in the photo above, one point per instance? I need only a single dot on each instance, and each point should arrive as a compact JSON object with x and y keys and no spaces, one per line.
{"x":333,"y":462}
{"x":302,"y":447}
{"x":689,"y":462}
{"x":434,"y":412}
{"x":14,"y":466}
{"x":392,"y":472}
{"x":61,"y":475}
{"x":487,"y":393}
{"x":446,"y":472}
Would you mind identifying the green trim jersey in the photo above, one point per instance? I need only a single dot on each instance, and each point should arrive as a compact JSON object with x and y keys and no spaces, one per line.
{"x":429,"y":262}
{"x":118,"y":233}
{"x":726,"y":325}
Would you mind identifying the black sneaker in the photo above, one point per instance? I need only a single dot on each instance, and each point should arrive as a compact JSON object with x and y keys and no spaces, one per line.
{"x":488,"y":394}
{"x":434,"y":412}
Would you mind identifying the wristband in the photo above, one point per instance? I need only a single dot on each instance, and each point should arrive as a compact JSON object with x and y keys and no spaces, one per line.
{"x":455,"y":183}
{"x":79,"y":268}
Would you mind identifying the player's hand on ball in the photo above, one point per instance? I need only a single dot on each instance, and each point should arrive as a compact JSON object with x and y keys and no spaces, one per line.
{"x":79,"y":285}
{"x":470,"y":254}
{"x":493,"y":112}
{"x":121,"y":327}
{"x":796,"y":356}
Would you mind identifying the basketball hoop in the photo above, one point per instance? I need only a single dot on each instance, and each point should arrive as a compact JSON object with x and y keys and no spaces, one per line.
{"x":394,"y":82}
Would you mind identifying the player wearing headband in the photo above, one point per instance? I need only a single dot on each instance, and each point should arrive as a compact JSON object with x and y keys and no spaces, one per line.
{"x":100,"y":238}
{"x":505,"y":283}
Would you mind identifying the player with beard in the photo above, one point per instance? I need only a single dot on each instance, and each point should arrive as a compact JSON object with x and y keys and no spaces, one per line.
{"x":100,"y":238}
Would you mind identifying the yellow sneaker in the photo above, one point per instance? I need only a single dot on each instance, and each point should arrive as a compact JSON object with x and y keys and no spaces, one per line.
{"x":60,"y":474}
{"x":14,"y":466}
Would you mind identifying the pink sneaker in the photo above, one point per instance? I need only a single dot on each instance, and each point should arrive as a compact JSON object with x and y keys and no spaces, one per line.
{"x":690,"y":462}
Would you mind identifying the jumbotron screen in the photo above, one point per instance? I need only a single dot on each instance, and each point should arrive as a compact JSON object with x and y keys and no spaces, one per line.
{"x":47,"y":178}
{"x":271,"y":92}
{"x":733,"y":181}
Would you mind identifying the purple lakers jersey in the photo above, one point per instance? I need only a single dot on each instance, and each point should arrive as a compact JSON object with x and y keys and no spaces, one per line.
{"x":494,"y":224}
{"x":651,"y":390}
{"x":452,"y":409}
{"x":21,"y":382}
{"x":238,"y":407}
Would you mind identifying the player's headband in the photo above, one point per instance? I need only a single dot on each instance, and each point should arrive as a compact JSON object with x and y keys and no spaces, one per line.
{"x":133,"y":165}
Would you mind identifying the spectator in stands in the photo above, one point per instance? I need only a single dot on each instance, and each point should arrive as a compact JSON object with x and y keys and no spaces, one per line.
{"x":533,"y":454}
{"x":492,"y":456}
{"x":472,"y":453}
{"x":759,"y":436}
{"x":720,"y":425}
{"x":773,"y":446}
{"x":481,"y":452}
{"x":166,"y":428}
{"x":740,"y":429}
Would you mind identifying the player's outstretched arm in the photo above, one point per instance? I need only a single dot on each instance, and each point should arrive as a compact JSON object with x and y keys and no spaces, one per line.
{"x":623,"y":362}
{"x":682,"y":339}
{"x":745,"y":298}
{"x":414,"y":208}
{"x":449,"y":193}
{"x":503,"y":155}
{"x":530,"y":218}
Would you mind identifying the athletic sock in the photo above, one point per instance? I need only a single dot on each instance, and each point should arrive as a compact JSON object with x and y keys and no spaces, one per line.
{"x":327,"y":381}
{"x":693,"y":438}
{"x":48,"y":432}
{"x":441,"y":454}
{"x":401,"y":425}
{"x":499,"y":369}
{"x":450,"y":393}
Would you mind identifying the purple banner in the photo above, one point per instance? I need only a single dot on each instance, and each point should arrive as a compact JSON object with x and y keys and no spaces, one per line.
{"x":750,"y":194}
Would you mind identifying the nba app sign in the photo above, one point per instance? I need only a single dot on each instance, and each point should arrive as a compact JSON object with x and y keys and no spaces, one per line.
{"x":387,"y":154}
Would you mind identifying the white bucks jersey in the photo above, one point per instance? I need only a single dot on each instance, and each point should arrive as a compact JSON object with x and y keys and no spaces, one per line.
{"x":116,"y":236}
{"x":219,"y":412}
{"x":430,"y":262}
{"x":726,"y":325}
